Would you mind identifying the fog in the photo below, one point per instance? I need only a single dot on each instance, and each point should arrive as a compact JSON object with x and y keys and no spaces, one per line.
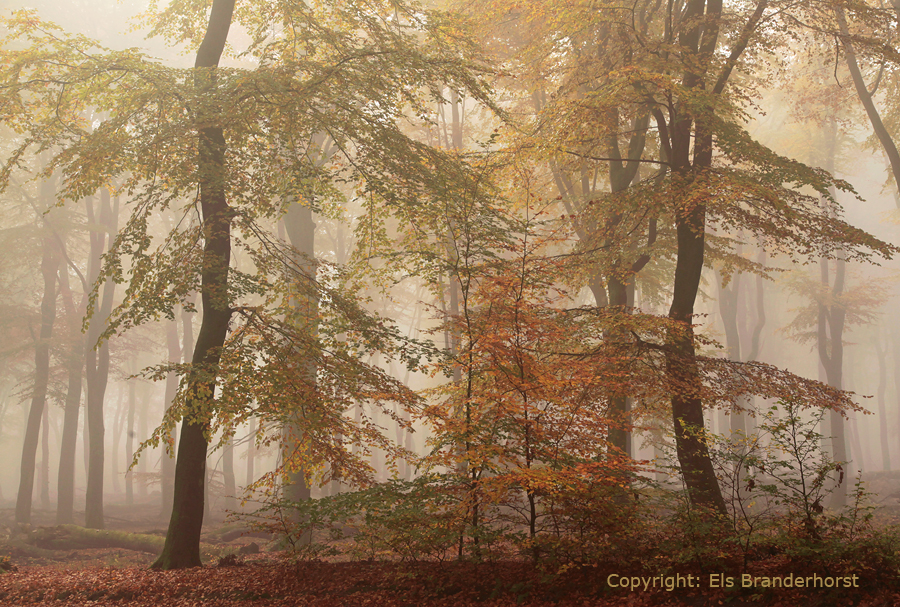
{"x":378,"y":279}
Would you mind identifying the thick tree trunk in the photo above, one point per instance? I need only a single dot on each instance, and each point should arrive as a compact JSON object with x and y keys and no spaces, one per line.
{"x":182,"y":547}
{"x":687,"y":408}
{"x":690,"y":220}
{"x":49,"y":265}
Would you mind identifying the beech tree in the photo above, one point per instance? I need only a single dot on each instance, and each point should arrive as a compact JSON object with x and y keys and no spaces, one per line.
{"x":878,"y":23}
{"x":50,"y":261}
{"x":170,"y":138}
{"x":676,"y":62}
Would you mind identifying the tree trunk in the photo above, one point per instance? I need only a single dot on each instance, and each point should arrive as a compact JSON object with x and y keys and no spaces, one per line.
{"x":65,"y":488}
{"x":830,"y":335}
{"x":49,"y":265}
{"x":97,"y":367}
{"x":228,"y":475}
{"x":895,"y":356}
{"x":301,"y":229}
{"x":142,"y":424}
{"x":831,"y":353}
{"x":621,"y":176}
{"x":129,"y":443}
{"x":251,"y":452}
{"x":687,"y":408}
{"x":690,"y":221}
{"x":882,"y":405}
{"x":881,"y":132}
{"x":44,"y":477}
{"x":182,"y":547}
{"x":117,"y":430}
{"x":167,"y":471}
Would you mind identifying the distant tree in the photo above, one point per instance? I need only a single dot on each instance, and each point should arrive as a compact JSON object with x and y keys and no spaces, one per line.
{"x":50,"y":261}
{"x":881,"y":25}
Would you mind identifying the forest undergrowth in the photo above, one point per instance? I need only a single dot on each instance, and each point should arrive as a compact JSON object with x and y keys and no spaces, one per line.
{"x":577,"y":536}
{"x":326,"y":580}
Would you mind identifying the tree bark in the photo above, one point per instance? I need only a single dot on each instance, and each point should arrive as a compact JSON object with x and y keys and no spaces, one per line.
{"x":690,"y":221}
{"x":881,"y":132}
{"x":895,"y":357}
{"x":167,"y":471}
{"x":182,"y":547}
{"x":117,"y":430}
{"x":251,"y":452}
{"x":65,"y":488}
{"x":49,"y":265}
{"x":142,"y":433}
{"x":830,"y":335}
{"x":97,"y":367}
{"x":228,"y":475}
{"x":831,"y":354}
{"x":44,"y":471}
{"x":129,"y":442}
{"x":882,"y":406}
{"x":621,"y":176}
{"x":301,"y":229}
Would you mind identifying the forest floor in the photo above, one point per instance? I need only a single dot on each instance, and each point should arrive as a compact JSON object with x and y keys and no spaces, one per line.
{"x":119,"y":576}
{"x":269,"y":581}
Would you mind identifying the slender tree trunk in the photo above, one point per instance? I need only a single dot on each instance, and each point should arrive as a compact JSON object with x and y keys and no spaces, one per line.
{"x":301,"y":229}
{"x":85,"y":428}
{"x":622,"y":174}
{"x":881,"y":132}
{"x":49,"y":265}
{"x":129,"y":442}
{"x":251,"y":452}
{"x":831,"y":353}
{"x":45,"y":459}
{"x":97,"y":368}
{"x":65,"y":489}
{"x":142,"y":463}
{"x":830,"y":334}
{"x":167,"y":471}
{"x":882,"y":406}
{"x":856,"y":453}
{"x":118,"y":428}
{"x":752,"y":337}
{"x":182,"y":547}
{"x":895,"y":357}
{"x":228,"y":475}
{"x":730,"y":304}
{"x":210,"y":475}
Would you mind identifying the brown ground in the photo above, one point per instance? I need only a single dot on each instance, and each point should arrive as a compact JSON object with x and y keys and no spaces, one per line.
{"x":116,"y":576}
